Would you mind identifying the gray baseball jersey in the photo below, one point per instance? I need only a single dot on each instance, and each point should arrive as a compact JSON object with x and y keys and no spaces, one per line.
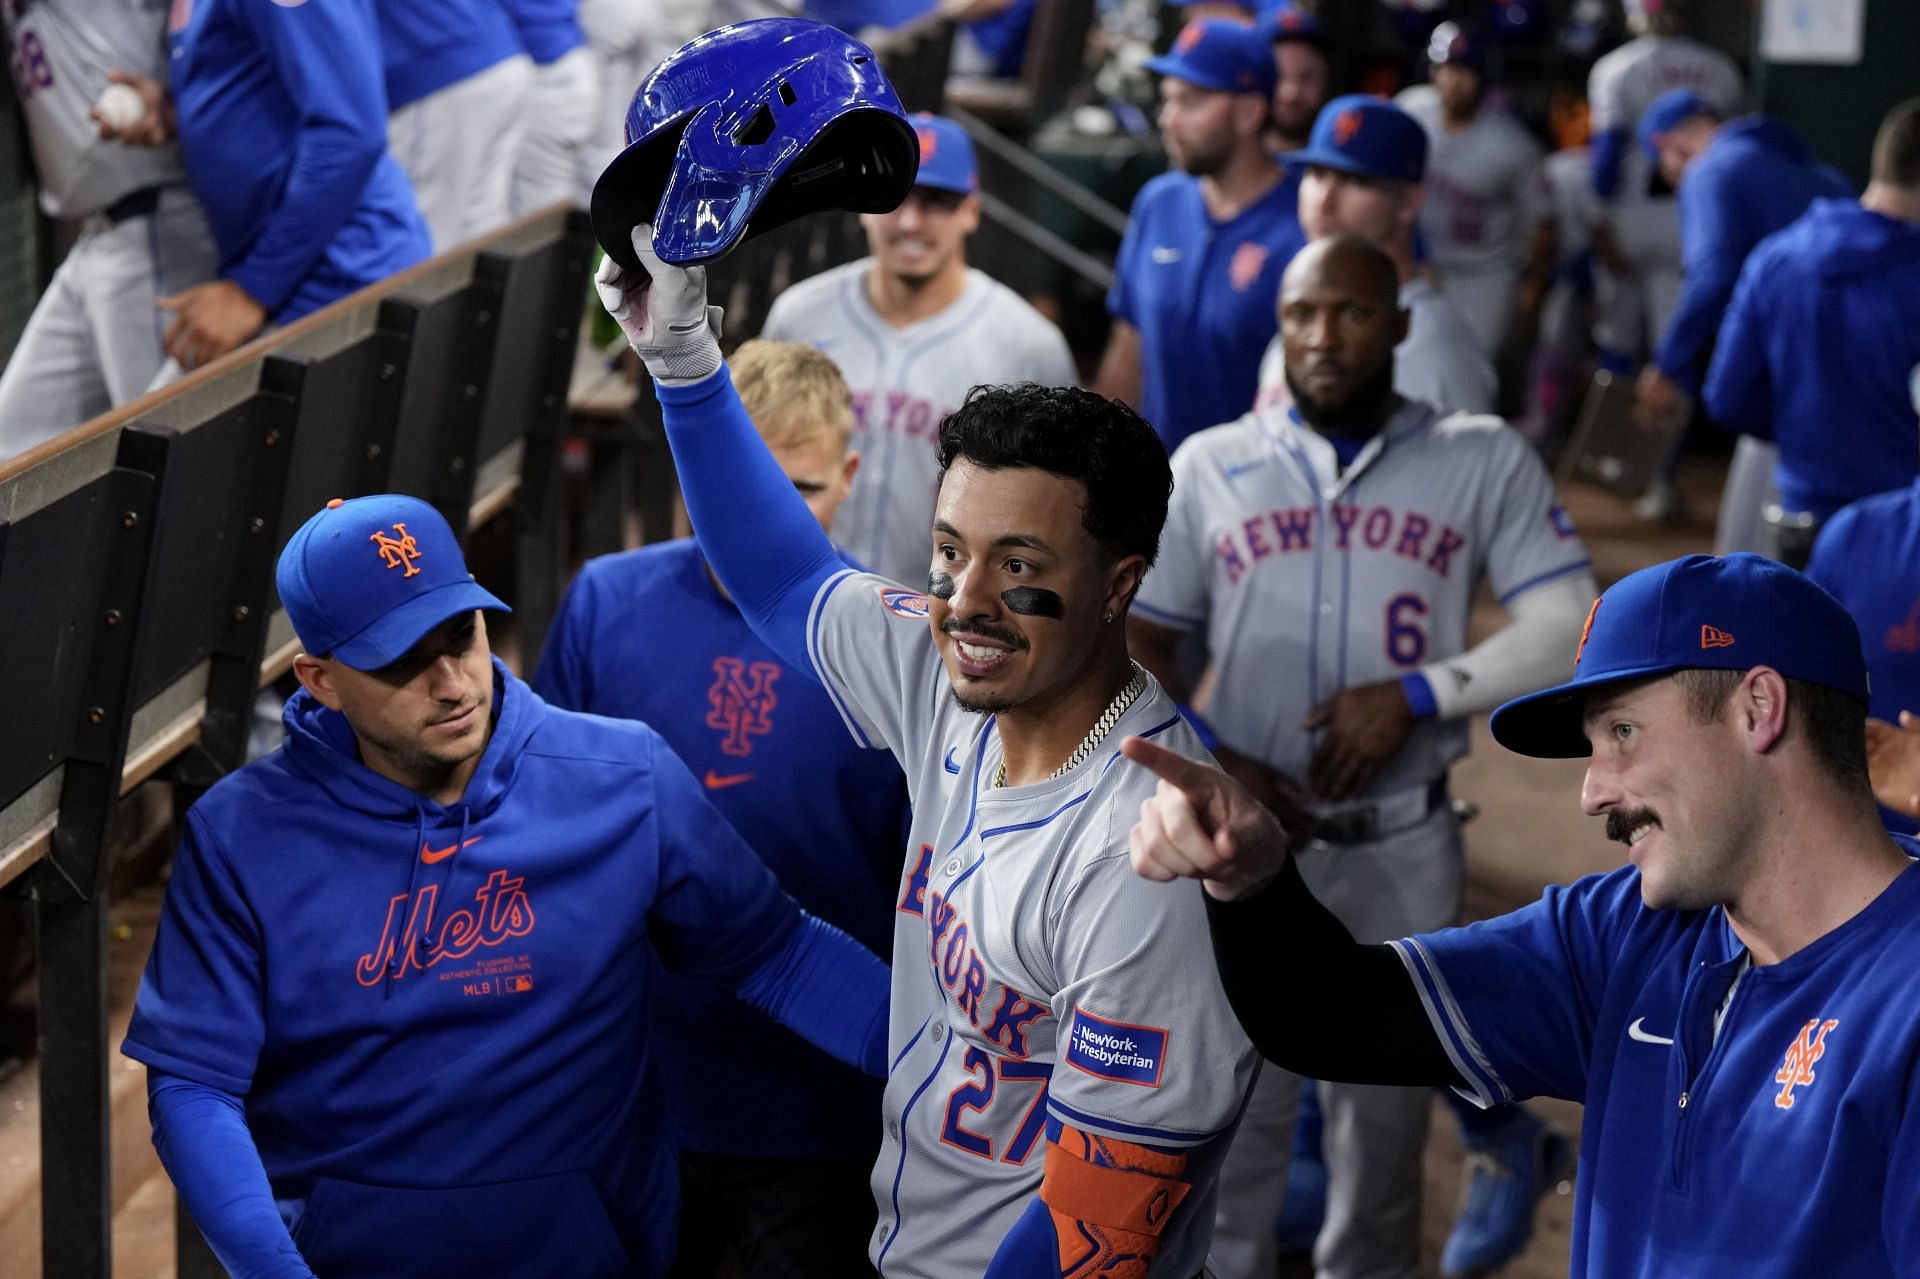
{"x":904,"y":383}
{"x":61,"y":52}
{"x":1035,"y":976}
{"x":1438,"y":363}
{"x":1486,"y":194}
{"x":1339,"y":578}
{"x":1625,"y":82}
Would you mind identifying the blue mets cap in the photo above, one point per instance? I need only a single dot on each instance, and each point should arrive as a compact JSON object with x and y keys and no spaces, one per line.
{"x":1730,"y":612}
{"x":1288,"y":21}
{"x":1665,"y":113}
{"x":364,"y":580}
{"x":1455,"y":45}
{"x":946,"y":154}
{"x":1366,"y":137}
{"x":1219,"y":54}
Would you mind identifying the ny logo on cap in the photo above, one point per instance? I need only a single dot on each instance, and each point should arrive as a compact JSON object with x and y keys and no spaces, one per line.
{"x":1584,"y":632}
{"x":1189,"y":37}
{"x":1346,"y":126}
{"x":1714,"y":637}
{"x":1797,"y":1070}
{"x":398,"y":552}
{"x":929,"y":143}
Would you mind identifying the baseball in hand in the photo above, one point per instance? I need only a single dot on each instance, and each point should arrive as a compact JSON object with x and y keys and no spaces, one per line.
{"x":120,"y":107}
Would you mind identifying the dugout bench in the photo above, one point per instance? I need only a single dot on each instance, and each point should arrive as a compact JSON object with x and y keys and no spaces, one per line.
{"x":136,"y":584}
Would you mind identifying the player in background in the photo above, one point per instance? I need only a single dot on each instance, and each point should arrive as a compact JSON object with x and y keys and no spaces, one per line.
{"x":1636,"y":235}
{"x":1485,"y":217}
{"x":93,"y":341}
{"x":1362,"y":173}
{"x":457,"y":87}
{"x":1192,"y":297}
{"x":395,"y":1015}
{"x":1737,"y":182}
{"x":1341,"y":541}
{"x":627,"y":41}
{"x":558,"y":158}
{"x":778,"y":1172}
{"x":912,"y":327}
{"x":1064,"y":1072}
{"x":1819,"y":345}
{"x":1734,"y":1003}
{"x":1303,"y":77}
{"x":282,"y":121}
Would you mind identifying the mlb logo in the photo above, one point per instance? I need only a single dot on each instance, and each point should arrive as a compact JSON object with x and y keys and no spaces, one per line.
{"x":911,"y":605}
{"x":517,"y":985}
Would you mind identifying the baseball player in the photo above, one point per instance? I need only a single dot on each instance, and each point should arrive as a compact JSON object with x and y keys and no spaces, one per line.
{"x":282,"y":123}
{"x":1362,"y":173}
{"x":93,"y":340}
{"x":457,"y":85}
{"x":1821,"y":338}
{"x":912,"y":327}
{"x":1192,"y":298}
{"x":1303,"y":76}
{"x":1485,"y":216}
{"x":558,"y":157}
{"x":1064,"y":1072}
{"x":778,"y":1172}
{"x":1342,"y":540}
{"x":1730,"y":1007}
{"x":394,"y":1019}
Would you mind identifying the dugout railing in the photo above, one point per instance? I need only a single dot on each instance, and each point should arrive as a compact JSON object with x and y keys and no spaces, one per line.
{"x":136,"y":566}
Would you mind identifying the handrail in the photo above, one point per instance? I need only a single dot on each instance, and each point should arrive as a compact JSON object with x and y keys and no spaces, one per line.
{"x":1005,"y":149}
{"x":1080,"y":262}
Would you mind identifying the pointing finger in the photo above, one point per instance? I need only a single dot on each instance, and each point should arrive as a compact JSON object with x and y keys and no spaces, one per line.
{"x":1199,"y":781}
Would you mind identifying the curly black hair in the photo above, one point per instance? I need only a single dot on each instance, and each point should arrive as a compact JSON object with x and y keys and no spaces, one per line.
{"x":1077,"y":435}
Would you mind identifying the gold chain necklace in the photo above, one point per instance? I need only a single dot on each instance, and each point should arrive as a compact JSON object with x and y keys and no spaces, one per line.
{"x":1102,"y":726}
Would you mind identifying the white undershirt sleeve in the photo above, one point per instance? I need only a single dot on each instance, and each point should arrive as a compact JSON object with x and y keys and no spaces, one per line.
{"x":1533,"y":651}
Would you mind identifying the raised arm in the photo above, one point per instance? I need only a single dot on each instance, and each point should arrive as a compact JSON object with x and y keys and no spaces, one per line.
{"x":764,"y":544}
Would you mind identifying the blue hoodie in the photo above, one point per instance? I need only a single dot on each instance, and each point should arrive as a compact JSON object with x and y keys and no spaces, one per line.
{"x":1754,"y":178}
{"x":435,"y":1014}
{"x":427,"y":45}
{"x":1817,"y":352}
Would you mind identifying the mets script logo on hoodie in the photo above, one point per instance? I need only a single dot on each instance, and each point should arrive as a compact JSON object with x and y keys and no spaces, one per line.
{"x":410,"y":941}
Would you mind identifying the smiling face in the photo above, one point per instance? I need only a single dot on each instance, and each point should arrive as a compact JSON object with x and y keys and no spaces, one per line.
{"x":925,"y":236}
{"x":1019,"y":589}
{"x":424,"y":720}
{"x":1673,"y":790}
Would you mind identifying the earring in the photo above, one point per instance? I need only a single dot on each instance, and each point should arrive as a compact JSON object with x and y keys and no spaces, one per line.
{"x":1108,"y":619}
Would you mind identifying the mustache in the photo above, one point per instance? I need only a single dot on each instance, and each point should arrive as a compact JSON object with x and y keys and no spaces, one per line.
{"x":985,"y":630}
{"x":1619,"y":825}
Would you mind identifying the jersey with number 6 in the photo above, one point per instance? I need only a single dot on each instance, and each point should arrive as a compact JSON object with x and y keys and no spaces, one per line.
{"x":1308,"y":579}
{"x":1036,"y":979}
{"x":61,"y":51}
{"x":904,"y":383}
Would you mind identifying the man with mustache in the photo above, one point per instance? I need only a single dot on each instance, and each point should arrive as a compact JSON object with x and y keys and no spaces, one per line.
{"x":1065,"y":1075}
{"x":1734,"y":1008}
{"x":1328,"y":554}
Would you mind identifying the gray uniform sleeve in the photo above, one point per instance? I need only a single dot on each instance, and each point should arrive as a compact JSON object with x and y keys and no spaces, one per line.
{"x":1531,"y":539}
{"x":1175,"y":592}
{"x":871,"y":646}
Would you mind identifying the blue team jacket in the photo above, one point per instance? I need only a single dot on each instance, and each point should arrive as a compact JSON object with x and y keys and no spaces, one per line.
{"x":426,"y":45}
{"x":283,"y":129}
{"x":1817,"y":353}
{"x":436,"y":1014}
{"x":1754,"y":178}
{"x":550,"y":29}
{"x":647,"y":635}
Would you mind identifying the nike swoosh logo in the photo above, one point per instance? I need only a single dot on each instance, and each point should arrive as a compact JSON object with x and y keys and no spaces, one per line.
{"x":952,"y":763}
{"x":1164,"y":254}
{"x":719,"y":781}
{"x":432,"y":855}
{"x":1244,"y":467}
{"x":1634,"y":1032}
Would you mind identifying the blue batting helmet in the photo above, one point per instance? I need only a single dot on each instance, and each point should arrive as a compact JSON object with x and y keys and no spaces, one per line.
{"x":748,"y":127}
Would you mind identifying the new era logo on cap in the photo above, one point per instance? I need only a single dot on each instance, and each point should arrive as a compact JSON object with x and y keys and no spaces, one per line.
{"x":1732,"y":612}
{"x":364,"y":580}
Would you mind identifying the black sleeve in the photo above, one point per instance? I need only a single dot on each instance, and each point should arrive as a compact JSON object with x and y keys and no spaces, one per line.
{"x":1316,"y":1002}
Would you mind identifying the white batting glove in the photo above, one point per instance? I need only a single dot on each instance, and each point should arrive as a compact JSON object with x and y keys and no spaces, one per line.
{"x":666,"y":317}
